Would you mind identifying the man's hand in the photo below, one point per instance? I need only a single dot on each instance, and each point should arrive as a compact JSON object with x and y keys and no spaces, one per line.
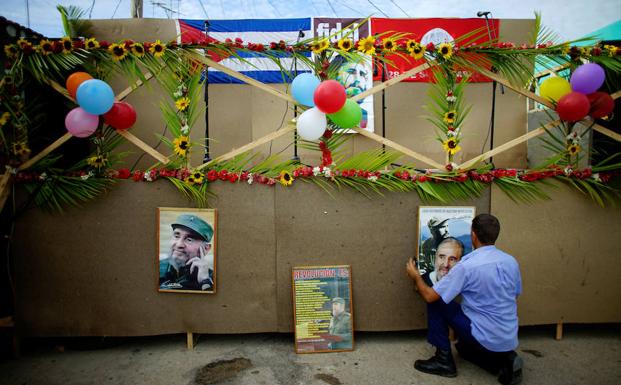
{"x":200,"y":264}
{"x":411,"y":269}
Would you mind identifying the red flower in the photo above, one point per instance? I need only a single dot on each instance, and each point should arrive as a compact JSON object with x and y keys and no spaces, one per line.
{"x":138,"y":175}
{"x":345,"y":173}
{"x":244,"y":175}
{"x":260,"y":47}
{"x":322,"y":146}
{"x":327,"y":134}
{"x":233,"y":177}
{"x":511,"y":172}
{"x":78,"y":44}
{"x":146,"y":46}
{"x":430,"y":47}
{"x":271,"y":181}
{"x":296,"y":173}
{"x":128,"y":44}
{"x":212,"y":175}
{"x":223,"y":174}
{"x":123,"y":173}
{"x":461,"y":178}
{"x":273,"y":45}
{"x":58,"y":47}
{"x":104,"y":45}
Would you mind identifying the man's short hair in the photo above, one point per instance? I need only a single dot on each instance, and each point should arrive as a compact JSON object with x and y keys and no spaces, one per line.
{"x":486,"y":227}
{"x":195,"y":224}
{"x":453,"y":241}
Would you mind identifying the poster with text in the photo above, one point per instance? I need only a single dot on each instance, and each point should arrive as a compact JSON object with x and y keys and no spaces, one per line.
{"x":443,"y":238}
{"x":322,"y":309}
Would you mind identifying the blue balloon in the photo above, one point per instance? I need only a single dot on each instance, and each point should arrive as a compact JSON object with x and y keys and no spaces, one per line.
{"x":303,"y":88}
{"x":95,"y":96}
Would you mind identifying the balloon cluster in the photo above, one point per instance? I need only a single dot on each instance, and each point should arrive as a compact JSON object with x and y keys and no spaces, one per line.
{"x":579,"y":97}
{"x":328,"y":100}
{"x":95,"y":97}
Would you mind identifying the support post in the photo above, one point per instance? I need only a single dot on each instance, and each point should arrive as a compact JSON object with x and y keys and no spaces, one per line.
{"x":190,"y":340}
{"x":559,"y":330}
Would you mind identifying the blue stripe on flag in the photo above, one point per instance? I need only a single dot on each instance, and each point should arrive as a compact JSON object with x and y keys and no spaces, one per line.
{"x":260,"y":25}
{"x":262,"y":76}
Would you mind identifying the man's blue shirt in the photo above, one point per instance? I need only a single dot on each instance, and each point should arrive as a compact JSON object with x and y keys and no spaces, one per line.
{"x":489,"y":281}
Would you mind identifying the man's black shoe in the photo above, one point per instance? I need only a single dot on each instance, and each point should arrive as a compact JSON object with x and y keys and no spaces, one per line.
{"x":511,"y":371}
{"x":440,"y":364}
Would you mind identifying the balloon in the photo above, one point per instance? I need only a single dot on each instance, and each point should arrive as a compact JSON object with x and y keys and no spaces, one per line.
{"x":95,"y":96}
{"x":80,"y":123}
{"x":303,"y":88}
{"x":554,"y":88}
{"x":349,"y":116}
{"x":602,"y":104}
{"x":121,"y":116}
{"x":311,"y":124}
{"x":74,"y":80}
{"x":587,"y":78}
{"x":329,"y":96}
{"x":573,"y":107}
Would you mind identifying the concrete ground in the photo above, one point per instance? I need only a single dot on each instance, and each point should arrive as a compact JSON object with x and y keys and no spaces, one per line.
{"x":586,"y":355}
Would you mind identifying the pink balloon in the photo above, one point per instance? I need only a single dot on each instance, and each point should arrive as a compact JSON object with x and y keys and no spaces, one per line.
{"x":80,"y":123}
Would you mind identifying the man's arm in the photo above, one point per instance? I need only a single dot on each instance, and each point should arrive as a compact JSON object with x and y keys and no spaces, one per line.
{"x":428,"y":294}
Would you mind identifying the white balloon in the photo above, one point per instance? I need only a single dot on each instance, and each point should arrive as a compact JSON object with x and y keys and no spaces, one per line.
{"x":311,"y":124}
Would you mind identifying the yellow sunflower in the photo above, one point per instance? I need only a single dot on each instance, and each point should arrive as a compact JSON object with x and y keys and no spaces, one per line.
{"x":4,"y":118}
{"x":91,"y":43}
{"x":573,"y":149}
{"x":46,"y":47}
{"x":21,"y":149}
{"x":418,"y":51}
{"x":445,"y":50}
{"x":10,"y":50}
{"x":410,"y":44}
{"x":367,"y":45}
{"x":97,"y":161}
{"x":158,"y":48}
{"x":182,"y":103}
{"x":450,"y":116}
{"x":195,"y":178}
{"x":389,"y":45}
{"x":138,"y":49}
{"x":23,"y":43}
{"x":285,"y":178}
{"x":67,"y":44}
{"x":182,"y":145}
{"x":319,"y":46}
{"x":451,"y":146}
{"x":612,"y":50}
{"x":345,"y":44}
{"x":117,"y":51}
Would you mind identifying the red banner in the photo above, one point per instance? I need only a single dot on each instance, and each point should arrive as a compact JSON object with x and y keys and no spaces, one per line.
{"x":434,"y":30}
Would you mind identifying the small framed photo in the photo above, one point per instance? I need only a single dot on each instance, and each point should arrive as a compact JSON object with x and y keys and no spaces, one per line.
{"x":443,"y":238}
{"x":322,"y":309}
{"x":187,"y":250}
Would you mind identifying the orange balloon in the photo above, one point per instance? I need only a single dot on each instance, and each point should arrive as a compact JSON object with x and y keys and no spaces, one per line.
{"x":74,"y":80}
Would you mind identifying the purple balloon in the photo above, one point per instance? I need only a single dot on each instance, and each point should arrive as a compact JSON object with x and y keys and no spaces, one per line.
{"x":80,"y":123}
{"x":587,"y":78}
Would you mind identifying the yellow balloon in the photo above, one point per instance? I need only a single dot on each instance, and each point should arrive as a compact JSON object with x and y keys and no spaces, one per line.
{"x":554,"y":88}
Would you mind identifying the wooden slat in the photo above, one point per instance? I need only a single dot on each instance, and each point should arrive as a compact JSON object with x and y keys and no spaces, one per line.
{"x":190,"y":340}
{"x":5,"y":187}
{"x":62,"y":90}
{"x":520,"y":91}
{"x":267,"y":138}
{"x":59,"y":142}
{"x":614,"y":135}
{"x":125,"y":93}
{"x":616,"y":95}
{"x":552,"y":70}
{"x":393,"y":81}
{"x":400,"y":148}
{"x":245,"y":78}
{"x":143,"y":146}
{"x":512,"y":143}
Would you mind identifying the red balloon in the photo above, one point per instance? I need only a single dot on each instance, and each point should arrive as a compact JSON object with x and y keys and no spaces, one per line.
{"x":121,"y":116}
{"x":329,"y":96}
{"x":573,"y":107}
{"x":602,"y":104}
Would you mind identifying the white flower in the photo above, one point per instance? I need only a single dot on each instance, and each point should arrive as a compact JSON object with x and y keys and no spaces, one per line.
{"x":573,"y":137}
{"x":250,"y":178}
{"x":568,"y":170}
{"x":147,"y":176}
{"x":43,"y":176}
{"x":327,"y":172}
{"x":451,"y":99}
{"x":372,"y":178}
{"x":85,"y":177}
{"x":316,"y":170}
{"x":596,"y":177}
{"x":451,"y":133}
{"x":11,"y":170}
{"x":185,"y":129}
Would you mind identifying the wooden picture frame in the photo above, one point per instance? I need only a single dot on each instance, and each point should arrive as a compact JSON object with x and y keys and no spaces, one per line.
{"x":435,"y":224}
{"x":322,"y":309}
{"x":186,"y":244}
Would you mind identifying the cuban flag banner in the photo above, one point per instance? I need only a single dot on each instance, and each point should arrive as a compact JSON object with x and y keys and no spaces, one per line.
{"x":257,"y":31}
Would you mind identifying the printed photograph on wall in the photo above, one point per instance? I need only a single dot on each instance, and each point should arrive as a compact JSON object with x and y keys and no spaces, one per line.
{"x":322,"y":309}
{"x":443,"y":238}
{"x":187,"y":250}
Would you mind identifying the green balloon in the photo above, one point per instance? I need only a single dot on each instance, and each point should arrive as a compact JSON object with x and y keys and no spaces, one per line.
{"x":348,"y":116}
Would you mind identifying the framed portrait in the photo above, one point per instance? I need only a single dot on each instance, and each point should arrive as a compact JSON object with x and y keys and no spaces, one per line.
{"x":187,"y":250}
{"x":322,"y":309}
{"x":443,"y":238}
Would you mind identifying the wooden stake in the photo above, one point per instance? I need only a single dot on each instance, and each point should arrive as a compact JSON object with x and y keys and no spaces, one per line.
{"x":551,"y":71}
{"x":143,"y":146}
{"x":62,"y":90}
{"x":512,"y":143}
{"x":267,"y":138}
{"x":190,"y":340}
{"x":616,"y":95}
{"x":392,"y":81}
{"x":559,"y":330}
{"x":123,"y":94}
{"x":59,"y":142}
{"x":399,"y":148}
{"x":5,"y":189}
{"x":245,"y":78}
{"x":520,"y":91}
